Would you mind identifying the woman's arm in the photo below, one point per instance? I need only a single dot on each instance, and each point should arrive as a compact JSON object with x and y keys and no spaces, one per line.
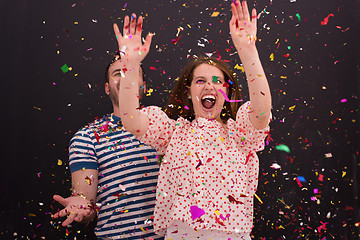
{"x":243,"y":34}
{"x":132,"y":52}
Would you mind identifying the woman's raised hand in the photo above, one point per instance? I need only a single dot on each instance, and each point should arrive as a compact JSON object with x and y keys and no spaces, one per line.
{"x":130,"y":43}
{"x":242,"y":26}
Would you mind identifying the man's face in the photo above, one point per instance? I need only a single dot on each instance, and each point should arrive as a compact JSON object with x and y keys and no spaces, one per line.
{"x":112,"y":87}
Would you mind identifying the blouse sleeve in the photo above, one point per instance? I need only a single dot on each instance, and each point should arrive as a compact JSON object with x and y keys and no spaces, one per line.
{"x":247,"y":137}
{"x":160,"y":130}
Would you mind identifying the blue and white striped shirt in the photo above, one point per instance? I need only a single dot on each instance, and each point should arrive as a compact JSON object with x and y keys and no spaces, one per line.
{"x":128,"y":172}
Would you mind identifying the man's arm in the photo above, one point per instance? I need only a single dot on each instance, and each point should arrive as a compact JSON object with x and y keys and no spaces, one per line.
{"x":81,"y":205}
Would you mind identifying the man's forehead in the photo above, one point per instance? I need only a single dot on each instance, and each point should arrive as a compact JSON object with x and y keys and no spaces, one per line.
{"x":116,"y":66}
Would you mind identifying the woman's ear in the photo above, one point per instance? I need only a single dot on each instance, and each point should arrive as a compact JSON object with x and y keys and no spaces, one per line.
{"x":107,"y":89}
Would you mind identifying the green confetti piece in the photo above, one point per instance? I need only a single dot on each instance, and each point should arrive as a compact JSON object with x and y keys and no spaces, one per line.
{"x":214,"y":78}
{"x":65,"y":68}
{"x":282,"y":147}
{"x":298,"y":16}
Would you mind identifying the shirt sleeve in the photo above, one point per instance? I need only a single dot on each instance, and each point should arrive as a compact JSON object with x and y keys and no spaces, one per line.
{"x":82,"y":152}
{"x":160,"y":131}
{"x":247,"y":137}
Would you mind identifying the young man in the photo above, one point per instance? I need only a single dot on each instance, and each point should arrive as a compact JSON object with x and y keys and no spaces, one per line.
{"x":113,"y":173}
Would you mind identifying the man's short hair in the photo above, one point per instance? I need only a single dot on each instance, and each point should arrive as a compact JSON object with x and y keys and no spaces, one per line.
{"x":117,"y":57}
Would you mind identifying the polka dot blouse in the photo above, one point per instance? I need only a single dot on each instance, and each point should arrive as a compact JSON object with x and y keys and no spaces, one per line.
{"x":209,"y":173}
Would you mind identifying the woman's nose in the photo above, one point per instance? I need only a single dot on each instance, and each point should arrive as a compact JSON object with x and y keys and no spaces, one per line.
{"x":209,"y":85}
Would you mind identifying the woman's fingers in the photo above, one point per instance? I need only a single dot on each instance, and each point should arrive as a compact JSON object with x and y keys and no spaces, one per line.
{"x":254,"y":17}
{"x":239,"y":10}
{"x":139,"y":25}
{"x":234,"y":11}
{"x":126,"y":29}
{"x":245,"y":11}
{"x":117,"y":34}
{"x":133,"y":24}
{"x":147,"y":43}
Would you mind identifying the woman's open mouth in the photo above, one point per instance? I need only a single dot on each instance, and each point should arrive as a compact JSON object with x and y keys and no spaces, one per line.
{"x":208,"y":101}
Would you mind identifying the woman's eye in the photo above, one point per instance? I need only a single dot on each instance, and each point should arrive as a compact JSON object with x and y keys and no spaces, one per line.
{"x":200,"y":81}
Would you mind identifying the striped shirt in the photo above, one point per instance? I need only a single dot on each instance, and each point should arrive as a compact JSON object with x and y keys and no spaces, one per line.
{"x":128,"y":172}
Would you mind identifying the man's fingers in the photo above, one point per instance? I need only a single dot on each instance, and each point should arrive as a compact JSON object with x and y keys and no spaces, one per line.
{"x":63,"y":212}
{"x":126,"y":29}
{"x":61,"y":200}
{"x":79,"y":217}
{"x":69,"y":220}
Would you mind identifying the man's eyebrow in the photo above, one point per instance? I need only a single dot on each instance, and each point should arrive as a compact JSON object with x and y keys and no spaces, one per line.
{"x":116,"y":70}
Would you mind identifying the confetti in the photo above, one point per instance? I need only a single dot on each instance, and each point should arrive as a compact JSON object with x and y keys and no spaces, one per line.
{"x":65,"y":68}
{"x":196,"y":212}
{"x":226,"y":97}
{"x":282,"y":147}
{"x":215,"y":14}
{"x":326,"y":20}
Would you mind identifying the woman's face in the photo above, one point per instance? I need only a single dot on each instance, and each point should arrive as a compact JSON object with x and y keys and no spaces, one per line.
{"x":207,"y":100}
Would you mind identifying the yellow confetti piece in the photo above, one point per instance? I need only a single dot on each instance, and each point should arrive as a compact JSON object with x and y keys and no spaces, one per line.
{"x":239,"y":67}
{"x":292,"y":108}
{"x":217,"y":212}
{"x":149,"y":92}
{"x":142,"y":229}
{"x":88,"y":181}
{"x":343,"y":173}
{"x":222,"y":139}
{"x":283,"y":77}
{"x":272,"y":57}
{"x":215,"y":14}
{"x":258,"y":198}
{"x":59,"y":162}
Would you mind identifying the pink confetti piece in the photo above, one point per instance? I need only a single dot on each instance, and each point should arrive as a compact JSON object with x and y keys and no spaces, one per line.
{"x":196,"y":212}
{"x":186,"y":107}
{"x":343,"y":100}
{"x":226,"y":97}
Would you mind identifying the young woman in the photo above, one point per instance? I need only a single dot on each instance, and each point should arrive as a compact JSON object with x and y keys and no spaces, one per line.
{"x":209,"y":172}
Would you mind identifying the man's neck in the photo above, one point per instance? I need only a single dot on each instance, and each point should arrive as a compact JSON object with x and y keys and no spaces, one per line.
{"x":116,"y":111}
